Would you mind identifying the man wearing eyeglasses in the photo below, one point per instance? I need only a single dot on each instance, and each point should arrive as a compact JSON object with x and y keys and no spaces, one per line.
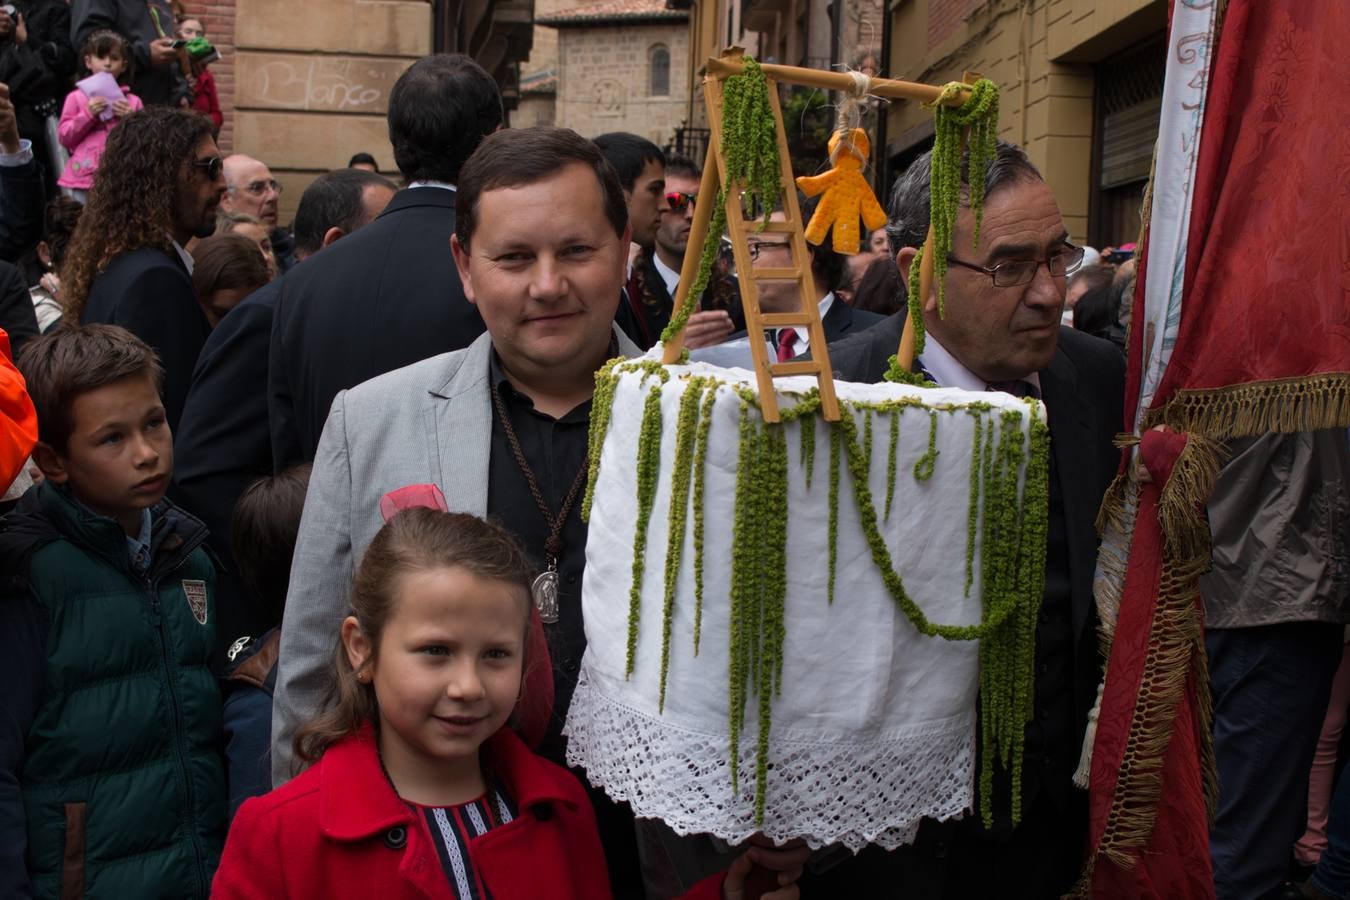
{"x":1000,"y":331}
{"x":251,"y":189}
{"x":829,"y":272}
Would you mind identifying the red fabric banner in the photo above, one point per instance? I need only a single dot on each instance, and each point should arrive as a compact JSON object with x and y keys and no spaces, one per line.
{"x":1267,"y":283}
{"x":1262,"y":344}
{"x":1174,"y":861}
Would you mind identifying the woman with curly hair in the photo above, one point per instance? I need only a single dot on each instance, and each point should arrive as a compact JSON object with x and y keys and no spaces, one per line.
{"x":158,"y":186}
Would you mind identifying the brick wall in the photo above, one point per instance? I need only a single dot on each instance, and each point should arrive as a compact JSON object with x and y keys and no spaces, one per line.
{"x":944,"y":16}
{"x":218,"y":17}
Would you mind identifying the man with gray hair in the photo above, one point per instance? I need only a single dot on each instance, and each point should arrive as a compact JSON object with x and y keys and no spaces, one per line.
{"x":1001,"y":331}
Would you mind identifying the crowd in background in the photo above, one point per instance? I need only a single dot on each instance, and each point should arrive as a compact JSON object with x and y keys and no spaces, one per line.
{"x":179,"y":341}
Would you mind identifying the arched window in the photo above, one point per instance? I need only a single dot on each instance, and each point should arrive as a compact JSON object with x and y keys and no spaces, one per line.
{"x":659,"y":78}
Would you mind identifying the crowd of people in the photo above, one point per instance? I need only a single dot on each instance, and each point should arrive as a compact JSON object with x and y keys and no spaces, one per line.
{"x":268,"y":626}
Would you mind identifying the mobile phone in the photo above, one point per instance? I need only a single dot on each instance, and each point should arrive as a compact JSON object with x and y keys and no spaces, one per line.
{"x":178,"y":44}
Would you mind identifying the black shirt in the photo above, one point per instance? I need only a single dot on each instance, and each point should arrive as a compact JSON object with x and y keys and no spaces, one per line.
{"x":555,"y":450}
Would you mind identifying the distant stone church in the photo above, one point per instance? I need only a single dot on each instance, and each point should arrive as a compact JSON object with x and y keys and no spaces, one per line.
{"x":619,"y":65}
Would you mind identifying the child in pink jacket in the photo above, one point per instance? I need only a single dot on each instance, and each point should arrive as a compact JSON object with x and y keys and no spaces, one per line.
{"x":83,"y":129}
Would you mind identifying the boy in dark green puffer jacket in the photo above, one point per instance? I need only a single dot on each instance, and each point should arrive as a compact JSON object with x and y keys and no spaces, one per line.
{"x":111,"y":779}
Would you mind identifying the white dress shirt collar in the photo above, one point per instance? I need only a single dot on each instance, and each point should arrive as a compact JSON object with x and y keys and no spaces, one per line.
{"x":668,"y":275}
{"x":948,"y":371}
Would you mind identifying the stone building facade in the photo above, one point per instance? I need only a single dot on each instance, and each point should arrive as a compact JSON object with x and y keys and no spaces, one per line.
{"x":1079,"y":79}
{"x":623,"y":65}
{"x":312,"y":82}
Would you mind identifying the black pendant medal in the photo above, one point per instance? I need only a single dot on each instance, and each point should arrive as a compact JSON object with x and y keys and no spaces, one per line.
{"x":545,"y":591}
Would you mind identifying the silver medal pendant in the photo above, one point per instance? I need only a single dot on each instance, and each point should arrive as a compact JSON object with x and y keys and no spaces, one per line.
{"x":545,"y":591}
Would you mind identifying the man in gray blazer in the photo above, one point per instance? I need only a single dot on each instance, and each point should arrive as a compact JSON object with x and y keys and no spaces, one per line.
{"x":541,"y":243}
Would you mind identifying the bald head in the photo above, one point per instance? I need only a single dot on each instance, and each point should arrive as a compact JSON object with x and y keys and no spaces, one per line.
{"x":250,"y":188}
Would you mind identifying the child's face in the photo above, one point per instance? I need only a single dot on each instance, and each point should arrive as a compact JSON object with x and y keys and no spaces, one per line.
{"x":447,"y":672}
{"x":190,"y":29}
{"x":113,"y":63}
{"x":120,"y":453}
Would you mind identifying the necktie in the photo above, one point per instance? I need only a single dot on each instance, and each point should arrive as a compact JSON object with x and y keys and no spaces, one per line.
{"x":633,"y":292}
{"x":787,"y":337}
{"x":1018,"y":388}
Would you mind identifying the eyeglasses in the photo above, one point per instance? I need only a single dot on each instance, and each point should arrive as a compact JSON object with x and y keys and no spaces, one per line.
{"x":679,"y":200}
{"x":258,"y":188}
{"x":212,"y":166}
{"x":1023,"y":271}
{"x":757,"y":247}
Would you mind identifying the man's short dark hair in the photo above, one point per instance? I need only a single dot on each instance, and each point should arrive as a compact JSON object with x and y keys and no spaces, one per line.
{"x":263,"y":531}
{"x":520,"y":156}
{"x":76,"y":359}
{"x":907,"y":214}
{"x":439,"y":110}
{"x":363,"y":159}
{"x":334,"y":199}
{"x":629,"y":155}
{"x":682,"y":167}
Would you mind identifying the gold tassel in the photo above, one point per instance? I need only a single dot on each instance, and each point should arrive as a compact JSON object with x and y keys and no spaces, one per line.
{"x":1175,"y":652}
{"x":1284,"y":405}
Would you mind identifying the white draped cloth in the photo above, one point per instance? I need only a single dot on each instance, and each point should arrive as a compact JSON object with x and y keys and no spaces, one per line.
{"x":874,"y":728}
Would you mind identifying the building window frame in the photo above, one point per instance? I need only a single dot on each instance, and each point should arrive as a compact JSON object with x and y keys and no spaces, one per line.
{"x":658,"y":71}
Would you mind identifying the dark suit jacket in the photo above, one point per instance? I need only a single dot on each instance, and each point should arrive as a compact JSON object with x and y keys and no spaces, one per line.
{"x":1083,"y":389}
{"x":21,"y":208}
{"x":17,"y":316}
{"x":386,"y":297}
{"x":658,"y":304}
{"x":149,"y":293}
{"x":222,"y":444}
{"x":841,"y":321}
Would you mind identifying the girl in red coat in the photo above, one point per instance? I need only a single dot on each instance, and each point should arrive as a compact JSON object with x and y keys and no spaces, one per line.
{"x":418,"y":786}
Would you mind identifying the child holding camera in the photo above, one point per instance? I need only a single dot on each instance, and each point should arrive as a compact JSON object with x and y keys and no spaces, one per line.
{"x":88,"y":118}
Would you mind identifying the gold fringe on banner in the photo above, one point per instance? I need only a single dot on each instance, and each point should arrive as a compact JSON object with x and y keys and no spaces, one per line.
{"x":1284,"y":405}
{"x":1175,"y":652}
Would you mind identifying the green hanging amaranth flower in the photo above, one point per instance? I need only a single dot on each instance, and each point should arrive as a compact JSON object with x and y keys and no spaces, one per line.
{"x":980,"y":114}
{"x":686,"y":430}
{"x":602,"y":406}
{"x":890,"y":463}
{"x":648,"y":469}
{"x":700,"y":460}
{"x":750,"y":155}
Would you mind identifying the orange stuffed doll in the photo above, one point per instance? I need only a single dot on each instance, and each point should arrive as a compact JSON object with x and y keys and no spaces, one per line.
{"x":848,"y":196}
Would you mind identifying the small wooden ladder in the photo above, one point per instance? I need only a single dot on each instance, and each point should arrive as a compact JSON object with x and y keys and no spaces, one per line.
{"x":738,"y":227}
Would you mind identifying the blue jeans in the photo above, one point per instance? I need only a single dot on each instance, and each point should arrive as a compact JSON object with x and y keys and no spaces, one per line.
{"x":1271,"y":684}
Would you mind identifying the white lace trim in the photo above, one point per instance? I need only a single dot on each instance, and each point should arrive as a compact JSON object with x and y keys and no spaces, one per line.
{"x":853,"y":793}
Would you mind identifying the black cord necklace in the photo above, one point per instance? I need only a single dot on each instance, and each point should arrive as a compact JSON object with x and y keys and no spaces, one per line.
{"x":545,"y":587}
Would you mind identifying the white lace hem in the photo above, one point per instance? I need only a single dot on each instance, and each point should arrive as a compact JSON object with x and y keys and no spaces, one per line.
{"x":826,"y":792}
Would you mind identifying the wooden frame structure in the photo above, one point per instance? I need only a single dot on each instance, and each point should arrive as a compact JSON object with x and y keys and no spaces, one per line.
{"x":714,"y":176}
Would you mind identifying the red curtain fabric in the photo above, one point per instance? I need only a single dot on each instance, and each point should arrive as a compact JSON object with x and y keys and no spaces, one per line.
{"x":1267,"y":280}
{"x":1174,"y":863}
{"x":1265,"y":305}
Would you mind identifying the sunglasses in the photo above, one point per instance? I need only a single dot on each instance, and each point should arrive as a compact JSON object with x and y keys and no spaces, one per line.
{"x":678,"y":201}
{"x":212,"y":167}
